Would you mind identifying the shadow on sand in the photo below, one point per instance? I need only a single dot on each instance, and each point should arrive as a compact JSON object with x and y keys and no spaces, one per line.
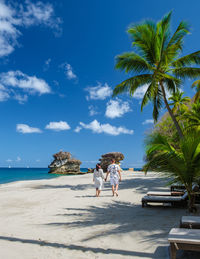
{"x":124,"y":217}
{"x":95,"y":250}
{"x":120,"y":217}
{"x":78,"y":187}
{"x":133,"y":183}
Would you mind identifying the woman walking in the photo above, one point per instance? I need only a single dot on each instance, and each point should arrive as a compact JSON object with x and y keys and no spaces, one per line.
{"x":98,"y":178}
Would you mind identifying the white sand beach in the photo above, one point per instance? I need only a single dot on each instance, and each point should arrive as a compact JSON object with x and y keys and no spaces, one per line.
{"x":61,"y":218}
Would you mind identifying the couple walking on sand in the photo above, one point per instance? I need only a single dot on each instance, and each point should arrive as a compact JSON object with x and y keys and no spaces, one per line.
{"x":115,"y":176}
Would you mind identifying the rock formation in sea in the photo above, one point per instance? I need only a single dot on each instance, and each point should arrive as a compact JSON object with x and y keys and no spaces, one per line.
{"x":105,"y":159}
{"x":63,"y":163}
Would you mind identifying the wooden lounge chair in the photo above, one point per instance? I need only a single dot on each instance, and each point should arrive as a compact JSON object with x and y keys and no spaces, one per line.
{"x":171,"y":193}
{"x":185,"y":239}
{"x":175,"y":190}
{"x":174,"y":200}
{"x":175,"y":187}
{"x":192,"y":222}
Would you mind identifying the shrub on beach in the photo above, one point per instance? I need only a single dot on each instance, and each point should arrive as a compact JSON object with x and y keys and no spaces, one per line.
{"x":181,"y":163}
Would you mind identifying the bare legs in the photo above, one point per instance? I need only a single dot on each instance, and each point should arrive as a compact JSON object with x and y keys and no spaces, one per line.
{"x":97,"y":192}
{"x":115,"y":190}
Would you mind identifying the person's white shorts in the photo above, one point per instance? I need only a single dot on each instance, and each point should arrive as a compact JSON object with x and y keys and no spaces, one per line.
{"x":114,"y":181}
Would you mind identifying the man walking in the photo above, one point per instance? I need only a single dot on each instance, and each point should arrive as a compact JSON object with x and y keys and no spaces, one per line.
{"x":115,"y":176}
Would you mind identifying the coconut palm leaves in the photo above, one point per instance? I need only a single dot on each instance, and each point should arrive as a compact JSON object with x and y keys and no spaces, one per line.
{"x":193,"y":116}
{"x":179,"y":102}
{"x":196,"y":85}
{"x":182,"y":164}
{"x":156,"y":63}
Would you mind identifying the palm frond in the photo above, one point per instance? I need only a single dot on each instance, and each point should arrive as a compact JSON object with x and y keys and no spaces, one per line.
{"x":131,"y":62}
{"x":130,"y":85}
{"x":196,"y":84}
{"x":157,"y":103}
{"x":181,"y":31}
{"x":148,"y":95}
{"x":191,"y":59}
{"x":144,"y":40}
{"x":186,"y":72}
{"x":182,"y":164}
{"x":169,"y":79}
{"x":175,"y":44}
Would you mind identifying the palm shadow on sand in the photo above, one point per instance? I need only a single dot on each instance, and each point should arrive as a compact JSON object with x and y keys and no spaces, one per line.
{"x":83,"y":248}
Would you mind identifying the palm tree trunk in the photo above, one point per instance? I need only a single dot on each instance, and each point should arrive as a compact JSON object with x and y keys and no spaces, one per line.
{"x":192,"y":207}
{"x":180,"y":133}
{"x":191,"y":202}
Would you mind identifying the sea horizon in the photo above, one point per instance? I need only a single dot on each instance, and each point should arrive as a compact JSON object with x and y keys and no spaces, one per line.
{"x":13,"y":174}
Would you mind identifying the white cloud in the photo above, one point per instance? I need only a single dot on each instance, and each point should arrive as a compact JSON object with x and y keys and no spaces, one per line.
{"x":58,"y":126}
{"x":9,"y":160}
{"x":69,"y":71}
{"x":99,"y":92}
{"x":4,"y":96}
{"x":25,"y":129}
{"x":78,"y":129}
{"x":92,"y":110}
{"x":116,"y":108}
{"x":31,"y":84}
{"x":15,"y":16}
{"x":139,"y":93}
{"x":14,"y":83}
{"x":21,"y":98}
{"x":96,"y":127}
{"x":150,"y":121}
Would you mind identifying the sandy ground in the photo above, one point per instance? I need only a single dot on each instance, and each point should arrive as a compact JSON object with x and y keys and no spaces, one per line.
{"x":61,"y":218}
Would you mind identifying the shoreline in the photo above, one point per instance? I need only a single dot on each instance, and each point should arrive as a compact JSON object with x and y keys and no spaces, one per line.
{"x":53,"y":176}
{"x":61,"y":218}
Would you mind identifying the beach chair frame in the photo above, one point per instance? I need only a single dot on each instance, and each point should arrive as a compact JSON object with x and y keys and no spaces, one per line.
{"x":187,"y":242}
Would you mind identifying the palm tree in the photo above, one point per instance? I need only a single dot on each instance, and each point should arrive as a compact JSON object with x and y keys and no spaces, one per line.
{"x":156,"y":63}
{"x":180,"y":164}
{"x":179,"y":102}
{"x":197,"y":85}
{"x":193,"y":116}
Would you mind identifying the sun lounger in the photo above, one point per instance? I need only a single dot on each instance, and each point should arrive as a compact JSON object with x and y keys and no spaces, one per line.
{"x":175,"y":187}
{"x":174,"y":200}
{"x":190,"y":222}
{"x":173,"y":193}
{"x":185,"y":239}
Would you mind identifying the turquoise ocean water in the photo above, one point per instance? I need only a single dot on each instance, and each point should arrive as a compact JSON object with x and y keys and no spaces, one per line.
{"x":8,"y":175}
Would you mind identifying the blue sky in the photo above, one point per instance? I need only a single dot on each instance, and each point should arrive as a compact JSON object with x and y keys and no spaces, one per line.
{"x":57,"y":74}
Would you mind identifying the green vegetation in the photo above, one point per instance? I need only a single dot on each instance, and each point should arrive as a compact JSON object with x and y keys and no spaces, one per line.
{"x":192,"y":116}
{"x":179,"y":102}
{"x":173,"y":148}
{"x":181,"y":164}
{"x":156,"y":62}
{"x":178,"y":159}
{"x":196,"y":85}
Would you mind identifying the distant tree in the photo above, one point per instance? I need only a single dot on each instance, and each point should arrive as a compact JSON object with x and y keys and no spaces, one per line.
{"x":179,"y":102}
{"x":193,"y":116}
{"x":166,"y":128}
{"x":157,"y":64}
{"x":181,"y":164}
{"x":196,"y":85}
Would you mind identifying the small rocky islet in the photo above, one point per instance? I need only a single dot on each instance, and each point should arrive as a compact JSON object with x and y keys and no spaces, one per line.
{"x":63,"y":163}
